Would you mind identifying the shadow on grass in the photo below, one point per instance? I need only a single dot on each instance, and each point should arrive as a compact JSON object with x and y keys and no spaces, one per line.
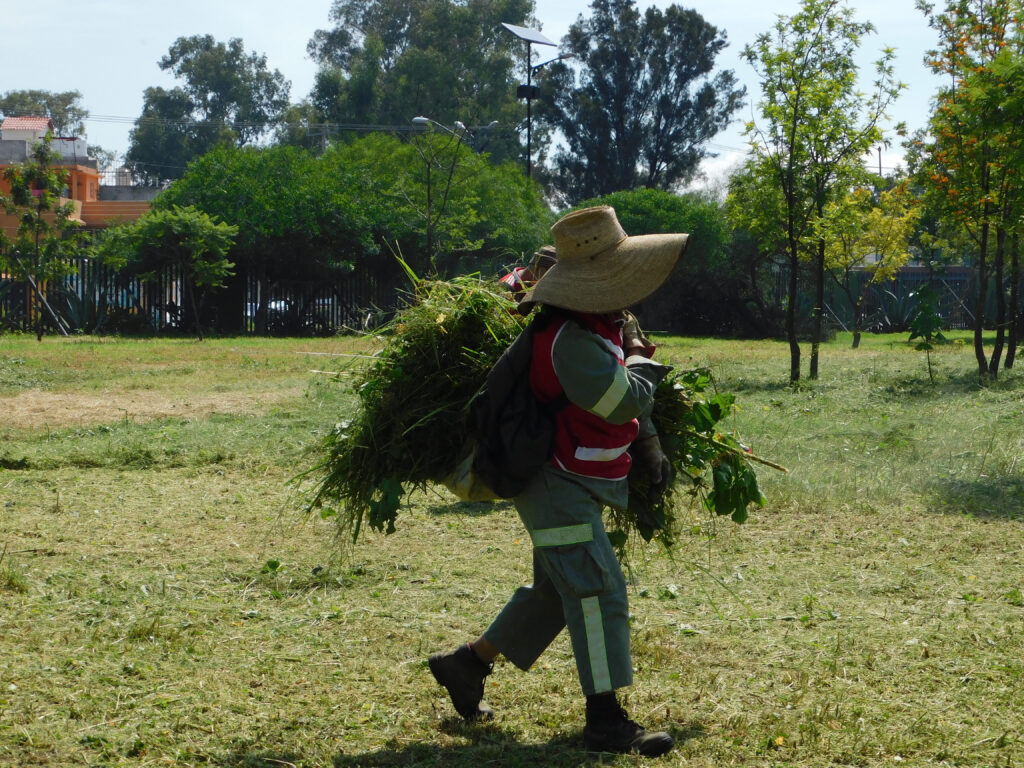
{"x":471,"y":508}
{"x":489,"y":745}
{"x":958,"y":383}
{"x":998,"y":497}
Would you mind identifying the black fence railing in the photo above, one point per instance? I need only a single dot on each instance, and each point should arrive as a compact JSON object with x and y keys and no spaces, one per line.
{"x":94,"y":298}
{"x":357,"y":301}
{"x":889,"y":306}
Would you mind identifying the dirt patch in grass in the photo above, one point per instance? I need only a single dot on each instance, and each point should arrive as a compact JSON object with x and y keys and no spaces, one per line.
{"x":38,"y":409}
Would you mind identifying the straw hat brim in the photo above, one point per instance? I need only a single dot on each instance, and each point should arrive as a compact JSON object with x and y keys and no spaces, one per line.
{"x":613,"y":279}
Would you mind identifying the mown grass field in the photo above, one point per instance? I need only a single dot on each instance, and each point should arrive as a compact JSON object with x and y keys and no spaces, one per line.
{"x":164,"y":601}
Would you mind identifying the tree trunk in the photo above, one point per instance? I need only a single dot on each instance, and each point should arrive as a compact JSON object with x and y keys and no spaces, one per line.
{"x":1014,"y":311}
{"x":858,"y":312}
{"x":997,"y":349}
{"x":190,"y":288}
{"x":979,"y":308}
{"x":762,"y":307}
{"x":794,"y":342}
{"x":819,"y":308}
{"x":260,"y":326}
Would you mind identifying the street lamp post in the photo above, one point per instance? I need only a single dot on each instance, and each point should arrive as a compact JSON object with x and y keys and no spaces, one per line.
{"x":426,"y":122}
{"x":529,"y":91}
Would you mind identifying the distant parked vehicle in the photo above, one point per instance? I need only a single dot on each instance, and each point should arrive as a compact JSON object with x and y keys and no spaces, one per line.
{"x":296,"y":317}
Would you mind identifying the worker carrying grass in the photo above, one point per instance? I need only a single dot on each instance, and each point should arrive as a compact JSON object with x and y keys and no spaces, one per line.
{"x":522,"y":279}
{"x":594,"y":353}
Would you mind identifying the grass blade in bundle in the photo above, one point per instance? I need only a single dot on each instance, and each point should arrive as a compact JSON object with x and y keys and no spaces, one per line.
{"x":409,"y":429}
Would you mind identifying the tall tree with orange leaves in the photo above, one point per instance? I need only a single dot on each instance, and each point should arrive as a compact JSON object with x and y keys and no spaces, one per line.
{"x":976,"y":147}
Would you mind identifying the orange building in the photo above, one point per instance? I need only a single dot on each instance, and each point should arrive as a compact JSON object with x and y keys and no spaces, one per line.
{"x":18,"y":135}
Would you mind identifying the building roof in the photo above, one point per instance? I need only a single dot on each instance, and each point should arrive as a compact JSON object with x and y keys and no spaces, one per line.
{"x":26,"y":124}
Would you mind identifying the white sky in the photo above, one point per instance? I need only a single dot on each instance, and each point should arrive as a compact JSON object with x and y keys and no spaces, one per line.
{"x":108,"y":50}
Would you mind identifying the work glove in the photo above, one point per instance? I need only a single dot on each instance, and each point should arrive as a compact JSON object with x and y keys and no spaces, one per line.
{"x":647,"y":452}
{"x":633,"y":340}
{"x":648,"y":458}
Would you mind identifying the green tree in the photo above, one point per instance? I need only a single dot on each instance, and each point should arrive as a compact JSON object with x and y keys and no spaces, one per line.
{"x":317,"y":217}
{"x":637,"y":100}
{"x":815,"y":128}
{"x":932,"y":240}
{"x":44,"y":240}
{"x":445,"y":207}
{"x":866,"y":242}
{"x":226,"y":97}
{"x":64,"y":109}
{"x":301,"y":125}
{"x":386,"y":61}
{"x":926,"y":325}
{"x":760,"y":250}
{"x":976,"y":149}
{"x":298,"y":217}
{"x":185,"y":239}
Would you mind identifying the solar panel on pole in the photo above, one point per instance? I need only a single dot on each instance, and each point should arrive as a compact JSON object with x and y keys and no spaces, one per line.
{"x":532,"y":37}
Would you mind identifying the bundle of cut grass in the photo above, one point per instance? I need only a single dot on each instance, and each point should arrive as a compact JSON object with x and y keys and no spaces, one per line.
{"x":410,"y":429}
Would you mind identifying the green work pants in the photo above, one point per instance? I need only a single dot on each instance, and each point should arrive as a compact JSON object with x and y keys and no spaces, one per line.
{"x":577,"y":582}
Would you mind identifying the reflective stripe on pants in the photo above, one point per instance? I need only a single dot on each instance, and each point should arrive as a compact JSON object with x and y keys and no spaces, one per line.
{"x":577,"y":582}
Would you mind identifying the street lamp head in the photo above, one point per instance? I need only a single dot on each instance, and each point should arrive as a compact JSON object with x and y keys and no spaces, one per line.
{"x":538,"y":67}
{"x":461,"y":133}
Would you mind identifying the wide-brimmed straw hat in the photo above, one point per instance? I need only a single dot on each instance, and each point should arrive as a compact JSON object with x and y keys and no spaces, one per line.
{"x":600,"y":268}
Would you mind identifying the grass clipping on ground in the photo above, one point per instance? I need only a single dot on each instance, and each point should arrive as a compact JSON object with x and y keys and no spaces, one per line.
{"x":409,"y":429}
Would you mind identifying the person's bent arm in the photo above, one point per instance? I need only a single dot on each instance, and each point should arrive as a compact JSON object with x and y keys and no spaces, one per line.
{"x":593,"y":377}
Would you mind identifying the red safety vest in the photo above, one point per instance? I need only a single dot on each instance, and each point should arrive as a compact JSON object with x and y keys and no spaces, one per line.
{"x":585,"y":444}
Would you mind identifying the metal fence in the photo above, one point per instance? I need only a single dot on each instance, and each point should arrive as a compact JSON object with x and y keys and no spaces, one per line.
{"x":356,"y":301}
{"x":94,"y":298}
{"x":889,"y":306}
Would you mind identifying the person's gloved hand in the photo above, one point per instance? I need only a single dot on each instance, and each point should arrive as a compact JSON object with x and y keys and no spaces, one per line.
{"x":647,"y":452}
{"x":633,"y":340}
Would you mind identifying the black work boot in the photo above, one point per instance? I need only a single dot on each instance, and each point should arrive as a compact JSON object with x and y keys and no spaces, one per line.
{"x":462,"y":672}
{"x":613,"y":731}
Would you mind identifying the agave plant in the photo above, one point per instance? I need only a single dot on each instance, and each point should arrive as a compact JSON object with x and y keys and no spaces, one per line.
{"x":86,"y":311}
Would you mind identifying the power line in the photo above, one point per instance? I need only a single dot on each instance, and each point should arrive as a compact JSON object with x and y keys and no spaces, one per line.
{"x":322,"y":129}
{"x":366,"y":127}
